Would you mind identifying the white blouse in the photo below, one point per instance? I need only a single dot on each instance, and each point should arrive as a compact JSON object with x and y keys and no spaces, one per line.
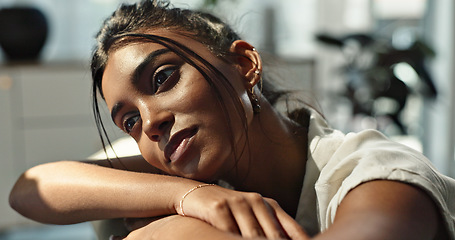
{"x":339,"y":162}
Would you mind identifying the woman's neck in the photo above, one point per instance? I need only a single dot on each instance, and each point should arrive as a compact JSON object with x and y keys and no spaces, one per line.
{"x":274,"y":166}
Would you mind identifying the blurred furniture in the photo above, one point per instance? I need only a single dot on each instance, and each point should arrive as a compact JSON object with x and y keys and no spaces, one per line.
{"x":24,"y":32}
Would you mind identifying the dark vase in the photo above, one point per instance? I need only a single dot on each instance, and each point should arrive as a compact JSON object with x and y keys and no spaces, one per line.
{"x":23,"y":33}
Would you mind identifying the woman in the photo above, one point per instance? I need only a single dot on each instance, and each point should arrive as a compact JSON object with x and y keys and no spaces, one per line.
{"x":188,"y":90}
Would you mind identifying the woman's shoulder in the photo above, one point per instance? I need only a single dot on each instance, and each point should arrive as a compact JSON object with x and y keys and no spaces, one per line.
{"x":347,"y":160}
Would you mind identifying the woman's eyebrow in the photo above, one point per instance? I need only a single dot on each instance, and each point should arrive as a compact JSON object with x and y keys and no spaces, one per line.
{"x":150,"y":58}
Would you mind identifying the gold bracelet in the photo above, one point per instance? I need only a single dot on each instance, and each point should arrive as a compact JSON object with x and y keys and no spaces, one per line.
{"x":190,"y":191}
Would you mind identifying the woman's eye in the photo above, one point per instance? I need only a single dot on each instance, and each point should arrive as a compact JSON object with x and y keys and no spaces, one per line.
{"x":162,"y":76}
{"x":130,"y":122}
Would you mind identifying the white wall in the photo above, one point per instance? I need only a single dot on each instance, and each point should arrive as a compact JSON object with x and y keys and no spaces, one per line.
{"x":73,"y":24}
{"x":439,"y":142}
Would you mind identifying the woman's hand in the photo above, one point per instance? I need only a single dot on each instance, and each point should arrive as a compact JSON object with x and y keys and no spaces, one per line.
{"x":248,"y":214}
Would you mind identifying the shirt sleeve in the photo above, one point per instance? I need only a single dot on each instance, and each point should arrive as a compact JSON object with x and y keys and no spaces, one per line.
{"x":368,"y":156}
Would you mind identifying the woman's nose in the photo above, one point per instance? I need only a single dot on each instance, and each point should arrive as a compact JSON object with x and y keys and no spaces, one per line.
{"x":155,"y":125}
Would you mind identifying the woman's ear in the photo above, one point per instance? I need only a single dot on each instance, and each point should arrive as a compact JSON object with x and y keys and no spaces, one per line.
{"x":248,"y":61}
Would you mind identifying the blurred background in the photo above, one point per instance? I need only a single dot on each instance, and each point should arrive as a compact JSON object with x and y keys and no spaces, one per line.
{"x":384,"y":64}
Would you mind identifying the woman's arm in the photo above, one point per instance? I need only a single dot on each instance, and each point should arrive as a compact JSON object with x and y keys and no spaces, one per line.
{"x":384,"y":210}
{"x":134,"y":163}
{"x":376,"y":210}
{"x":69,"y":192}
{"x":144,"y":228}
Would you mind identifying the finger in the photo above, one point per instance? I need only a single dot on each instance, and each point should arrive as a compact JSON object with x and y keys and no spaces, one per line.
{"x":289,"y":225}
{"x":223,"y":218}
{"x":245,"y":217}
{"x":266,"y":217}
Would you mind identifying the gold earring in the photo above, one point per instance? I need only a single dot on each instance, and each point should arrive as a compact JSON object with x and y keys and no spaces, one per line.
{"x":254,"y":101}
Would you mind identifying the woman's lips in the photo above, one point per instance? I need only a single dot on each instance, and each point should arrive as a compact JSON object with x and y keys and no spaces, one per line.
{"x":178,"y":144}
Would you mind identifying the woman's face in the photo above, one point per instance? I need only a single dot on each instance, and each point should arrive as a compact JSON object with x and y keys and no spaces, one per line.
{"x":168,"y":107}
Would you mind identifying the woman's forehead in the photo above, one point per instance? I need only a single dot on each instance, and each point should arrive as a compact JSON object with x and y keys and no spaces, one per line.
{"x":131,"y":55}
{"x":141,"y":48}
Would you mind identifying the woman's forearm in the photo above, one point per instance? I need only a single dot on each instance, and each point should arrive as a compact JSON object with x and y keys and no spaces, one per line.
{"x":70,"y":192}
